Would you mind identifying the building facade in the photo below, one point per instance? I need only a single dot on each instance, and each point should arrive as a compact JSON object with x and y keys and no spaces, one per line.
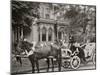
{"x":42,"y":30}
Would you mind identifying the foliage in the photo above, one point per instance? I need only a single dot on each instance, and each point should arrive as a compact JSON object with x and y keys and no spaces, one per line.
{"x":23,"y":13}
{"x":80,"y":17}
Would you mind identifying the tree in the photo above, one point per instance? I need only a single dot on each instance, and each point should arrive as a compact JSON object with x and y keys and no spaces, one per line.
{"x":79,"y":16}
{"x":23,"y":13}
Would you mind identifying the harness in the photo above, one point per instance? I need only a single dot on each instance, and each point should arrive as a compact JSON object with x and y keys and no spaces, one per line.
{"x":30,"y":52}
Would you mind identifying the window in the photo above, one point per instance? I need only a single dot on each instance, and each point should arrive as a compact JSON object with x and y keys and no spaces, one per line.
{"x":39,"y":33}
{"x":39,"y":36}
{"x":50,"y":34}
{"x":59,"y":35}
{"x":44,"y":34}
{"x":47,"y":16}
{"x":47,"y":13}
{"x":47,"y":10}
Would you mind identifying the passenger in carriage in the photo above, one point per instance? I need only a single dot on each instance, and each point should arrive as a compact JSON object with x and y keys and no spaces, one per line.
{"x":81,"y":53}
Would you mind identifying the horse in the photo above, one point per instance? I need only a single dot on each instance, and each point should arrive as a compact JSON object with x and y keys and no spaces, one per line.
{"x":47,"y":52}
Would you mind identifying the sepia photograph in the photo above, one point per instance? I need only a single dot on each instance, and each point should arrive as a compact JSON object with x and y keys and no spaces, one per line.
{"x":52,"y":37}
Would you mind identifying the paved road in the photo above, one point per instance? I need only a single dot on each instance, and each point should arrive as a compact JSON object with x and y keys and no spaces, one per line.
{"x":26,"y":67}
{"x":88,"y":66}
{"x":82,"y":67}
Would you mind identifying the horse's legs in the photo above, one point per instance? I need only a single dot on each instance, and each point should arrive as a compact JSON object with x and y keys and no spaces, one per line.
{"x":52,"y":64}
{"x":19,"y":60}
{"x":59,"y":60}
{"x":37,"y":65}
{"x":59,"y":64}
{"x":48,"y":63}
{"x":33,"y":66}
{"x":31,"y":58}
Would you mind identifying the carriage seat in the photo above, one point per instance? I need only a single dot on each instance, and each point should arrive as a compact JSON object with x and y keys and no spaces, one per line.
{"x":66,"y":53}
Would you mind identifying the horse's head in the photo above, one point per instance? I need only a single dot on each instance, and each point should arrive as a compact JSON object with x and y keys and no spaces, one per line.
{"x":18,"y":47}
{"x":25,"y":45}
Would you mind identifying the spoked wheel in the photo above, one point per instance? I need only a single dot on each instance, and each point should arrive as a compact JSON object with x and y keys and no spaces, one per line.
{"x":66,"y":64}
{"x":75,"y":62}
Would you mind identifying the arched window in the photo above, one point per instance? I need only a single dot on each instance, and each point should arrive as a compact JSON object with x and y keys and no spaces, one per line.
{"x":60,"y":33}
{"x":44,"y":34}
{"x":50,"y":34}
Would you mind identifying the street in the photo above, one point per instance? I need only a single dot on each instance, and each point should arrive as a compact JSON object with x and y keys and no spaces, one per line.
{"x":26,"y":67}
{"x":89,"y":66}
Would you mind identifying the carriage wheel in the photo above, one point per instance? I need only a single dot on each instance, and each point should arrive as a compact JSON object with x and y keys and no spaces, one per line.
{"x":75,"y":62}
{"x":66,"y":64}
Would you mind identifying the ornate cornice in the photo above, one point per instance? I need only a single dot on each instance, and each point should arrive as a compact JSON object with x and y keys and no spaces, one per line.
{"x":51,"y":21}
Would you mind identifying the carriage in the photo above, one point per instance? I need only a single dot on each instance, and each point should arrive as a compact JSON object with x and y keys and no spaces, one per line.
{"x":69,"y":59}
{"x":72,"y":60}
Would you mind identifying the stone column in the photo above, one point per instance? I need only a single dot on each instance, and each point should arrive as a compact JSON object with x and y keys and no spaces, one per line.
{"x":53,"y":38}
{"x":34,"y":34}
{"x":21,"y":32}
{"x":47,"y":35}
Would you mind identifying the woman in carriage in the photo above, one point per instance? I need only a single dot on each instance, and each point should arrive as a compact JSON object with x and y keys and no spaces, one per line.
{"x":74,"y":45}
